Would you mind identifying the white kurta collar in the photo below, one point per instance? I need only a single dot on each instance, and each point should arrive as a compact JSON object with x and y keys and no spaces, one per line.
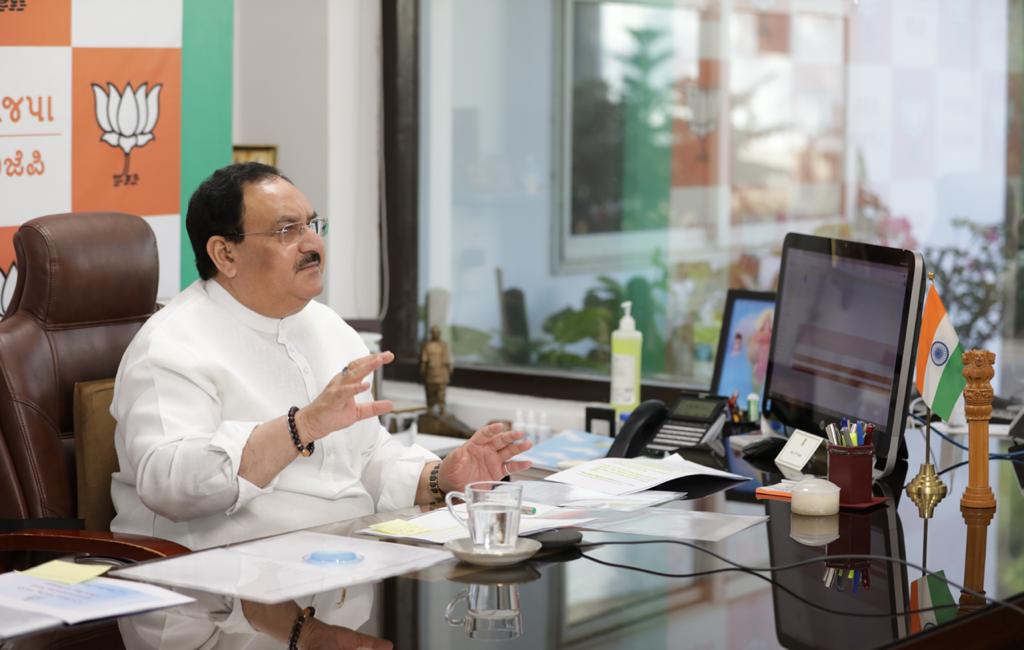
{"x":243,"y":314}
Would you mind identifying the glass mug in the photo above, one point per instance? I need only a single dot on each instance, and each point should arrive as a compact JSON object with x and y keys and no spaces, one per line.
{"x":492,"y":612}
{"x":493,"y":508}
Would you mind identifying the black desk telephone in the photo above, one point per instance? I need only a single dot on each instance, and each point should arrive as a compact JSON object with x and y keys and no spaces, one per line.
{"x":693,"y":420}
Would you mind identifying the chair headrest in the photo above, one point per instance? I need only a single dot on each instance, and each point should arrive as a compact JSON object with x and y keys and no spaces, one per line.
{"x":85,"y":268}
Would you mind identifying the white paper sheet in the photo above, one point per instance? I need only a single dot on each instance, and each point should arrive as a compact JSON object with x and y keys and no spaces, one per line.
{"x":617,"y":476}
{"x":568,"y":496}
{"x":439,"y":526}
{"x":96,"y":598}
{"x":274,"y":570}
{"x":679,"y":524}
{"x":14,"y":622}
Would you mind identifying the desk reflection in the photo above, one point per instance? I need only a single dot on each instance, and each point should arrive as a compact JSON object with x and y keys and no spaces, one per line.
{"x":227,"y":623}
{"x":977,"y":520}
{"x":853,"y":603}
{"x":488,"y":609}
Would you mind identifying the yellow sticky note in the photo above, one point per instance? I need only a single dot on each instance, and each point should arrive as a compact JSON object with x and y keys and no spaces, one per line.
{"x":400,"y":528}
{"x":67,"y":572}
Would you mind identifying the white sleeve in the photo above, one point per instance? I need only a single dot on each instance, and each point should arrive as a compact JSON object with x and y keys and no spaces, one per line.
{"x":391,"y":472}
{"x":185,"y":459}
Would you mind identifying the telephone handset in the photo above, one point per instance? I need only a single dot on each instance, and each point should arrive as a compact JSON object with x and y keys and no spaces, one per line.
{"x":693,"y":420}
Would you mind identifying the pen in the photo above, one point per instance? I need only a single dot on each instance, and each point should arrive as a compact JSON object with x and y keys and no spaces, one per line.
{"x":829,"y":578}
{"x":832,"y":431}
{"x":527,"y":510}
{"x":869,"y":433}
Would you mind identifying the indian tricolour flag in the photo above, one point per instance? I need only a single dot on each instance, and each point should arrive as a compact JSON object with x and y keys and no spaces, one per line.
{"x":940,"y":370}
{"x":930,"y":593}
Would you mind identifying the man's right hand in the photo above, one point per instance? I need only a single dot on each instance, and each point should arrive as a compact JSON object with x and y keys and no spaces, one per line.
{"x":336,"y":408}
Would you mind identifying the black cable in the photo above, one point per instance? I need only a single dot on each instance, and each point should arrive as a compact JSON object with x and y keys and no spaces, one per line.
{"x":952,"y":467}
{"x":772,"y":581}
{"x":1016,"y":461}
{"x":992,"y":456}
{"x":794,"y":565}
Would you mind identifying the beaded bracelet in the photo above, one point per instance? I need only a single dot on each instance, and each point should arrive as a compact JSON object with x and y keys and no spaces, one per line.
{"x":435,"y":487}
{"x":305,"y":450}
{"x":305,"y":615}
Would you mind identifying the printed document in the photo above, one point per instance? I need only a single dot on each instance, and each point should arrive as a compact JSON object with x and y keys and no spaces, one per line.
{"x":84,"y":601}
{"x":439,"y":526}
{"x":567,"y":496}
{"x":674,"y":523}
{"x":617,"y":476}
{"x":287,"y":566}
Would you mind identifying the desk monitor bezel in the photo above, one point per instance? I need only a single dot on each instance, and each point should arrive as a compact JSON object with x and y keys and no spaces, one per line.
{"x":808,"y":417}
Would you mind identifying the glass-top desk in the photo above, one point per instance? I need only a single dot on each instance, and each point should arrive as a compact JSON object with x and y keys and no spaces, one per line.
{"x":572,"y":601}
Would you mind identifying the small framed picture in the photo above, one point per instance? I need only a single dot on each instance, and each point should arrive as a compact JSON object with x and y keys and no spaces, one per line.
{"x":743,"y":345}
{"x":261,"y":153}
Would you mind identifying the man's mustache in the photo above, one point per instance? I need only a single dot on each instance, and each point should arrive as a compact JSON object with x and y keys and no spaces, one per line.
{"x":308,"y":259}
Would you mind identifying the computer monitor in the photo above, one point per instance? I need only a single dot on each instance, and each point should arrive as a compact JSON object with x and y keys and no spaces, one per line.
{"x":844,"y":338}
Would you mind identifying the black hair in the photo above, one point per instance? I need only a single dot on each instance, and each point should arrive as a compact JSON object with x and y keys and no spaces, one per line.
{"x":217,"y":207}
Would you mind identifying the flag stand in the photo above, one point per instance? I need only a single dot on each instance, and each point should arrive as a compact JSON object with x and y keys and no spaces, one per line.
{"x":926,"y":489}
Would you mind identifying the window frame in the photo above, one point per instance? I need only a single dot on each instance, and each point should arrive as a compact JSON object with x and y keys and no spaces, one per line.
{"x":400,"y":61}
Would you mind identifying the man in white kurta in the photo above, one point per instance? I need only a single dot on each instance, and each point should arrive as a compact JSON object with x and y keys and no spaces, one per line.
{"x":206,"y":452}
{"x":200,"y":375}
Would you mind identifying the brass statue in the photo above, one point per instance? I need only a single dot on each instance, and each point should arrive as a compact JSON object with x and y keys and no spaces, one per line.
{"x":436,"y":370}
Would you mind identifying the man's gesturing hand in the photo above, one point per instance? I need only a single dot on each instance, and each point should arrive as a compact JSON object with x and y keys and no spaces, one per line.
{"x":336,"y":408}
{"x":484,"y":457}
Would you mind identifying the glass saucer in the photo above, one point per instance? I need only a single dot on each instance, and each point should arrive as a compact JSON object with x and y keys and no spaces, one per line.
{"x":463,"y":549}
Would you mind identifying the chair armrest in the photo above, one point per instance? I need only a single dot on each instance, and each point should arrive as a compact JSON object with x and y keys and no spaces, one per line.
{"x":122,"y":545}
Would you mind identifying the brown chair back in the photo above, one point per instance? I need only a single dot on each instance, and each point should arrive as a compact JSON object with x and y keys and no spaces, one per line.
{"x":95,"y":460}
{"x":86,"y":283}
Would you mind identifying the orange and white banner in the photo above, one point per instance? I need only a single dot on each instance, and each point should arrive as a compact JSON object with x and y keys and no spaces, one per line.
{"x":90,"y":117}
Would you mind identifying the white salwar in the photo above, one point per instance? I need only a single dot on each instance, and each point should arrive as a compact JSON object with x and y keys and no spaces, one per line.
{"x":199,"y":376}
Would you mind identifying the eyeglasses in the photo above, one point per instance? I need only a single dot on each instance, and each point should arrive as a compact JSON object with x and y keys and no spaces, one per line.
{"x":292,"y":232}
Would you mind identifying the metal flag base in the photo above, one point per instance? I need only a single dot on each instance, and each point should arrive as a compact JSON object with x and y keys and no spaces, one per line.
{"x":926,"y":490}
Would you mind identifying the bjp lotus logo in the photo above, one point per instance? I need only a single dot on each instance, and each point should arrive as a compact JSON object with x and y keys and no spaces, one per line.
{"x":701,"y":112}
{"x":127,"y":120}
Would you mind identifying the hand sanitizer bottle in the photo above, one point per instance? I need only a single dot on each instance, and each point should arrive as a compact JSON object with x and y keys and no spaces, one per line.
{"x":531,"y":426}
{"x":543,"y":428}
{"x":519,"y":424}
{"x":627,"y":346}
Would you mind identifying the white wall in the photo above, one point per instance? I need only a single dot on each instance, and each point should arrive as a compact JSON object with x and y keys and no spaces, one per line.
{"x":280,"y":95}
{"x":306,"y":78}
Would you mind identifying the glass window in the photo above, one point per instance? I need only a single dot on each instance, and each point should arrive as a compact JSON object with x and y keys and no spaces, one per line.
{"x":575,"y":154}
